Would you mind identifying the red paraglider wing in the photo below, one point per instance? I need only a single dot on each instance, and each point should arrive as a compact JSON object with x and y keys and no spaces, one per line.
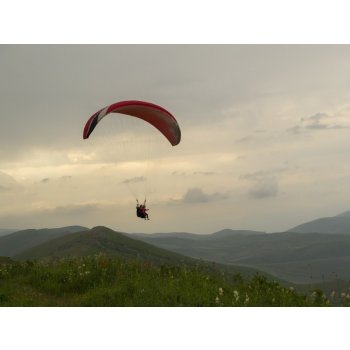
{"x":157,"y":116}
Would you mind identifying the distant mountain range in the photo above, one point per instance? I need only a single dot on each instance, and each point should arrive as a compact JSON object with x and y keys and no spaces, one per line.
{"x":314,"y":252}
{"x":223,"y":233}
{"x":334,"y":224}
{"x":102,"y":240}
{"x":300,"y":258}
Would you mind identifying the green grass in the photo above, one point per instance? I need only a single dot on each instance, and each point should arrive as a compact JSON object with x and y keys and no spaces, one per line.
{"x":104,"y":281}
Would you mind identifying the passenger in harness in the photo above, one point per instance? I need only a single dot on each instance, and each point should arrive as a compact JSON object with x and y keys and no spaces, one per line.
{"x":141,"y":210}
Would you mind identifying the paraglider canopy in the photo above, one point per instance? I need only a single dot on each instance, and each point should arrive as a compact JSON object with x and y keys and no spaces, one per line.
{"x":155,"y":115}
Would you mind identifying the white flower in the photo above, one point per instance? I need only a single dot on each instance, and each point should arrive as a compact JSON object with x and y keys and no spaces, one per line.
{"x":236,"y":295}
{"x":221,"y":291}
{"x":217,"y":300}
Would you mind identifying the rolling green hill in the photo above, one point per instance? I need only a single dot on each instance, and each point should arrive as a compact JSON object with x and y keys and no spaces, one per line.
{"x":102,"y":240}
{"x":101,"y":245}
{"x":334,"y":224}
{"x":99,"y":240}
{"x":300,"y":258}
{"x":288,"y":256}
{"x":5,"y":231}
{"x":16,"y":242}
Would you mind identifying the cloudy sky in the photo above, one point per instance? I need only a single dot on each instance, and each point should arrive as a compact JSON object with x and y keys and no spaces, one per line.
{"x":265,"y":136}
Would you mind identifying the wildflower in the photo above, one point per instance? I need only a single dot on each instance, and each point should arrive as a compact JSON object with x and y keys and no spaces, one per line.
{"x":246,"y":301}
{"x":333,"y":294}
{"x":147,"y":264}
{"x":217,"y":300}
{"x":221,"y":291}
{"x":236,"y":295}
{"x":103,"y":264}
{"x":343,"y":295}
{"x":291,"y":288}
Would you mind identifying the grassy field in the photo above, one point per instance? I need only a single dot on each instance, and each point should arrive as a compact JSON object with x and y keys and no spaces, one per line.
{"x":104,"y":281}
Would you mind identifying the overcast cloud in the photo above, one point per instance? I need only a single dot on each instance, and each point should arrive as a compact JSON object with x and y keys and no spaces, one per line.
{"x":265,"y":136}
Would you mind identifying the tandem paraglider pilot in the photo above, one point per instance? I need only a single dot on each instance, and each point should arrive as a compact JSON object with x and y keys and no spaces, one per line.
{"x":157,"y":116}
{"x":141,"y":210}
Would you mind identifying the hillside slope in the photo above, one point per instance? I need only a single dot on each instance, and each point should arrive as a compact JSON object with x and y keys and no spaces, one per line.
{"x":300,"y":258}
{"x":98,"y":240}
{"x":16,"y":242}
{"x":5,"y":231}
{"x":333,"y":224}
{"x":102,"y":240}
